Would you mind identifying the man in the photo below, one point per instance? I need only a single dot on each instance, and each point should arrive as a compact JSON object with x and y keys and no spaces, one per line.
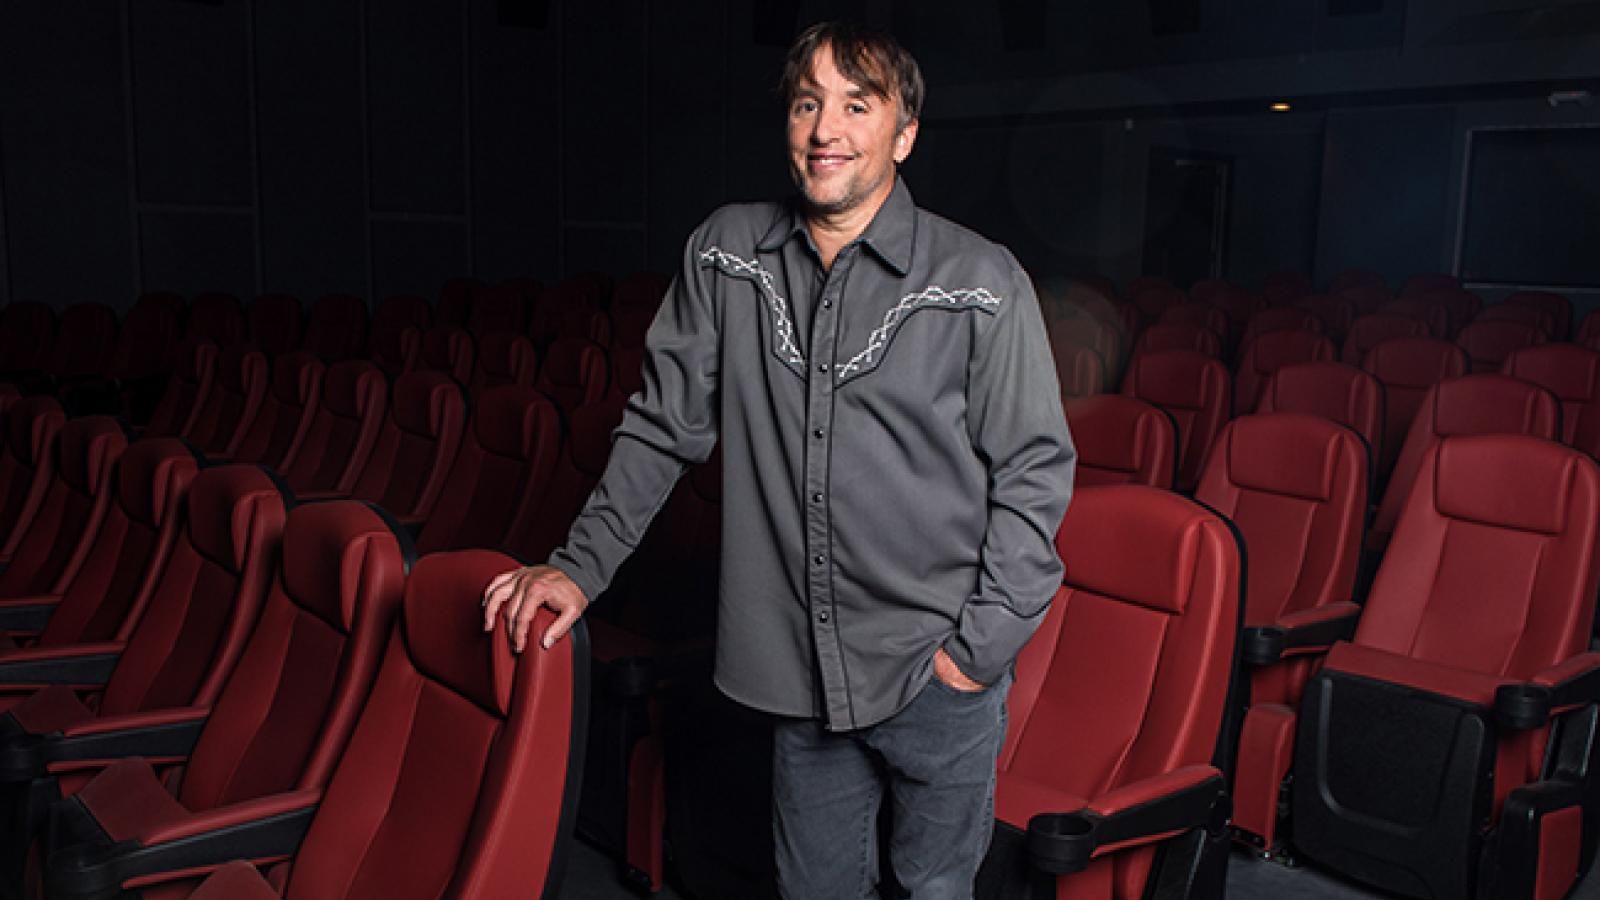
{"x":895,"y":466}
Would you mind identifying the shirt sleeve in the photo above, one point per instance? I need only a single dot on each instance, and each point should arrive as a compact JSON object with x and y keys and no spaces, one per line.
{"x":1019,"y":430}
{"x":670,"y":424}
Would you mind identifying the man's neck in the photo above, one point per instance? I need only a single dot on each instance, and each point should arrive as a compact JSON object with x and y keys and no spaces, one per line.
{"x":831,"y":232}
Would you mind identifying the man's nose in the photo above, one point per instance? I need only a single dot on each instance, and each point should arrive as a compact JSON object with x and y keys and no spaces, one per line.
{"x":825,"y":127}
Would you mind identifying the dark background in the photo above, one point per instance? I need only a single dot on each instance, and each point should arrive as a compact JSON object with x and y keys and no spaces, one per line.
{"x":381,"y":146}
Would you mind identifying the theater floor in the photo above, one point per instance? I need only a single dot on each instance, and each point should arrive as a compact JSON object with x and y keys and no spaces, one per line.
{"x":591,"y":876}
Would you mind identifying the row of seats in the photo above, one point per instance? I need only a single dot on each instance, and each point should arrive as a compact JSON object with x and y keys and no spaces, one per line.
{"x":236,"y":674}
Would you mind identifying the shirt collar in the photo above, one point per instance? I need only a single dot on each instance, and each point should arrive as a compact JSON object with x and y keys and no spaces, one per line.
{"x":890,"y":234}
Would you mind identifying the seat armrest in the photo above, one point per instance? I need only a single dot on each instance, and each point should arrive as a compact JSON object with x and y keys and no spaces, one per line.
{"x":1309,"y":630}
{"x":1144,"y":812}
{"x":234,"y":815}
{"x":320,"y":496}
{"x":78,"y":664}
{"x":271,"y":830}
{"x":1570,"y":684}
{"x":161,"y":734}
{"x":27,"y":614}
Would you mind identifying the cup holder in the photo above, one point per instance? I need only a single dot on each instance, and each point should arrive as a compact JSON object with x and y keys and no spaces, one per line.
{"x":1062,"y":843}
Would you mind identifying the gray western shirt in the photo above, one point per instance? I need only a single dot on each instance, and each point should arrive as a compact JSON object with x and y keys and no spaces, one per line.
{"x":895,"y":458}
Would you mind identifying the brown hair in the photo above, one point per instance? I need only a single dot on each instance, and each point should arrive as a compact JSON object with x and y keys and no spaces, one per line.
{"x":869,"y":57}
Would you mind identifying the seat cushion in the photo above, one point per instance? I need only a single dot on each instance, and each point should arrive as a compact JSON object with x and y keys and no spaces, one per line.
{"x":127,"y":800}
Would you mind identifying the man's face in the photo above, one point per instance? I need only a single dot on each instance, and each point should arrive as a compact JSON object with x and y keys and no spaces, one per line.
{"x":843,"y":141}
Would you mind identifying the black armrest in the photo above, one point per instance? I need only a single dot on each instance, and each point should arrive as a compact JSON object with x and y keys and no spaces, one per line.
{"x":89,"y":668}
{"x":1573,"y":683}
{"x":1063,"y":843}
{"x":31,"y":617}
{"x":1264,"y":645}
{"x":93,"y":871}
{"x":26,"y":756}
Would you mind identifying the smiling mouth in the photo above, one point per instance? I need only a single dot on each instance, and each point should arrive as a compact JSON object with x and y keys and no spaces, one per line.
{"x":828,"y":160}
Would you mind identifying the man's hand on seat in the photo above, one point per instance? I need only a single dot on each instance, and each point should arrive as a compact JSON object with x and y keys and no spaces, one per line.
{"x":519,"y":594}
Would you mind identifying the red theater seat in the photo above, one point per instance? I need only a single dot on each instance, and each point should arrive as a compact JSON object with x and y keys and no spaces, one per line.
{"x":1428,"y":283}
{"x":1196,"y":390}
{"x":455,"y":301}
{"x":1372,"y":329}
{"x":1337,"y":313}
{"x":1206,"y":290}
{"x":1335,"y":391}
{"x":1366,"y":298}
{"x":1488,"y":343}
{"x":238,"y":388}
{"x":1139,"y":642}
{"x":1556,"y":306}
{"x":1287,"y":286}
{"x":1201,"y":315}
{"x":1463,"y":306}
{"x":1122,"y":440}
{"x":1072,"y":325}
{"x":1155,"y":300}
{"x":144,"y":347}
{"x":1572,"y":374}
{"x":416,"y":446}
{"x":344,"y":429}
{"x":1268,"y":352}
{"x":504,"y":357}
{"x":578,"y":468}
{"x":109,"y":593}
{"x":1240,"y":305}
{"x":1407,"y":368}
{"x":448,"y":349}
{"x":27,"y":466}
{"x":216,"y":317}
{"x":500,"y":308}
{"x":1080,"y":370}
{"x":1446,"y":750}
{"x":260,"y":757}
{"x":275,"y":324}
{"x":474,"y":750}
{"x":70,"y":513}
{"x":507,"y":459}
{"x":1429,"y":309}
{"x":188,"y":388}
{"x":1350,"y":278}
{"x":1516,"y":312}
{"x":573,"y":373}
{"x":336,"y":329}
{"x":1295,"y":486}
{"x":1162,"y":336}
{"x":166,"y":300}
{"x":1471,"y":404}
{"x":397,"y":327}
{"x":1282,"y":318}
{"x":86,"y":334}
{"x":27,"y":331}
{"x":276,"y":435}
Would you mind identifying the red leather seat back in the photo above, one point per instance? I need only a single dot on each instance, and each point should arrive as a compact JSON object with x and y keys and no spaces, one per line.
{"x":144,"y":345}
{"x":504,"y":357}
{"x":455,"y":301}
{"x":1131,"y":664}
{"x":1366,"y":298}
{"x":472,"y":749}
{"x":1270,"y":351}
{"x":1408,"y":368}
{"x":500,"y":308}
{"x":1164,"y":336}
{"x":1156,"y":299}
{"x":573,"y":373}
{"x":1295,"y":486}
{"x":187,"y":389}
{"x":418,"y":443}
{"x":1487,"y":343}
{"x":1462,"y":305}
{"x":1427,"y":283}
{"x":1282,"y":318}
{"x":336,"y":329}
{"x":1142,"y":283}
{"x":1337,"y":313}
{"x":1350,"y":278}
{"x":1195,"y":389}
{"x":539,"y":529}
{"x":1487,"y":572}
{"x":1080,"y":370}
{"x":449,"y":349}
{"x":290,"y":705}
{"x":85,"y":336}
{"x":1431,"y":311}
{"x":391,"y":321}
{"x":1541,"y":319}
{"x":1332,"y":390}
{"x":275,"y":324}
{"x":27,"y":331}
{"x":505,"y":465}
{"x":105,"y":600}
{"x":1572,"y":374}
{"x":1372,"y":329}
{"x":1199,"y":313}
{"x":293,"y":393}
{"x":344,"y":428}
{"x":27,"y":465}
{"x":72,"y":510}
{"x":1559,"y":309}
{"x":216,"y":317}
{"x":238,"y":388}
{"x":208,"y":598}
{"x":1284,"y":287}
{"x":1075,"y":326}
{"x":1122,"y":440}
{"x":1471,"y":404}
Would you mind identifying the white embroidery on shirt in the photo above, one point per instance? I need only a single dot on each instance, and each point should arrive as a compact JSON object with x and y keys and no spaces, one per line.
{"x":931,"y":296}
{"x":782,"y":327}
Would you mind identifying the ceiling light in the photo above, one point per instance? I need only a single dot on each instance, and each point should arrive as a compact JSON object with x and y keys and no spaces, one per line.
{"x":1280,"y":106}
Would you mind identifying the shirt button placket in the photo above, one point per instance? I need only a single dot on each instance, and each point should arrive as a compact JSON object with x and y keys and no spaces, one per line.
{"x":819,"y":415}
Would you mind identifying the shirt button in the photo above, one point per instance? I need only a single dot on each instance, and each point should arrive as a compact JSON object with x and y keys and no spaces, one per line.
{"x":823,"y":617}
{"x":817,"y":433}
{"x":822,"y":367}
{"x":819,"y":559}
{"x":816,"y":497}
{"x":827,"y":304}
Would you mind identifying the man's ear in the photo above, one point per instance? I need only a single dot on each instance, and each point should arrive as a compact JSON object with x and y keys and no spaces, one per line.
{"x":905,"y":140}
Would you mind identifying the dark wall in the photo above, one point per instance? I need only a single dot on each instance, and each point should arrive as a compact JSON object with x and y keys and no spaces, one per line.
{"x":381,"y":147}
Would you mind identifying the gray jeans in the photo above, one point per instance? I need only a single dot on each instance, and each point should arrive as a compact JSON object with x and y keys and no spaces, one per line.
{"x":935,"y":759}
